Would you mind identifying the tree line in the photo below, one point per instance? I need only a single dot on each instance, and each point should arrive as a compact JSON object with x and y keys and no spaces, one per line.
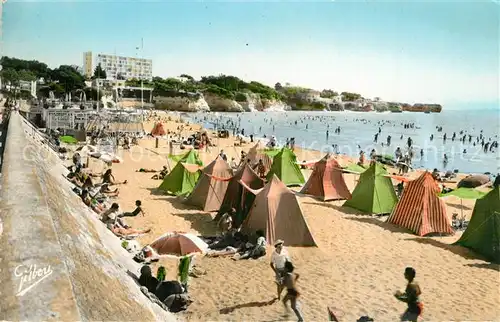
{"x":67,"y":79}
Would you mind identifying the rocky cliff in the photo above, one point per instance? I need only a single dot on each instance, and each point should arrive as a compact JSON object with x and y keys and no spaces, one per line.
{"x":184,"y":102}
{"x":299,"y":100}
{"x":196,"y":102}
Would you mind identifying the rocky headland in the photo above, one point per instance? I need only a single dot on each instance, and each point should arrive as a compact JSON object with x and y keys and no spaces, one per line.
{"x":231,"y":94}
{"x":222,"y":93}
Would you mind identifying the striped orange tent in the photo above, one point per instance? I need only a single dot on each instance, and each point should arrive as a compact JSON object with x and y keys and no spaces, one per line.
{"x":420,"y":209}
{"x":327,"y":181}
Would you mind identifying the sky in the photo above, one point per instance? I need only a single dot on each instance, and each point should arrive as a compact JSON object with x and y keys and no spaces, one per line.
{"x":442,"y":52}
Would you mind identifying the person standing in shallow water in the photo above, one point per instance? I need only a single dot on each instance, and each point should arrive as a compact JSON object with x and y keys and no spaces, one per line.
{"x":410,"y":297}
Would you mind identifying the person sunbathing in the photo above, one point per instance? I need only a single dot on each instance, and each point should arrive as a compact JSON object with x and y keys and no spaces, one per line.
{"x":146,"y":170}
{"x":104,"y":189}
{"x":108,"y":178}
{"x":229,"y":250}
{"x":161,"y":175}
{"x":121,"y":231}
{"x":87,"y":183}
{"x":256,"y":251}
{"x":77,"y":177}
{"x":109,"y":216}
{"x":91,"y":202}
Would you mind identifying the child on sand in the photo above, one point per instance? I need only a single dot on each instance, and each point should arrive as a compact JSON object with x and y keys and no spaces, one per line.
{"x":137,"y":210}
{"x":410,"y":297}
{"x":292,"y":294}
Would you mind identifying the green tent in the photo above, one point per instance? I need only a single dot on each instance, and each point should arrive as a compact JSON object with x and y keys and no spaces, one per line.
{"x":183,"y":177}
{"x":285,"y":167}
{"x":271,"y":152}
{"x":483,"y":232}
{"x":355,"y":168}
{"x":464,"y":193}
{"x":374,"y":192}
{"x":190,"y":157}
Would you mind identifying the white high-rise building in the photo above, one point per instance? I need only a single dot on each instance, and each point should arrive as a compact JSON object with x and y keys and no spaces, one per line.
{"x":125,"y":67}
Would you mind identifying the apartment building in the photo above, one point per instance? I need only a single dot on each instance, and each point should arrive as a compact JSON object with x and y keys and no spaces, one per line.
{"x":125,"y":67}
{"x":88,"y":69}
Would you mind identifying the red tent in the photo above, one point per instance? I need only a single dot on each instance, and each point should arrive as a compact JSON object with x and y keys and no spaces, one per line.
{"x":158,"y":130}
{"x":420,"y":209}
{"x":327,"y":181}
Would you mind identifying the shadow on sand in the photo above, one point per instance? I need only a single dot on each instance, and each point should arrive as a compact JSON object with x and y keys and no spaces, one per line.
{"x":382,"y":224}
{"x":344,"y":210}
{"x":455,"y":249}
{"x":230,"y":309}
{"x":200,"y":221}
{"x":459,"y":207}
{"x":177,"y":202}
{"x":493,"y":266}
{"x":158,"y":192}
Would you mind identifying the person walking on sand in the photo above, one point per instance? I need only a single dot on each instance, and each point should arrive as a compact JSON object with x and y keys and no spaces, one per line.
{"x":410,"y":297}
{"x":278,"y":259}
{"x":290,"y":278}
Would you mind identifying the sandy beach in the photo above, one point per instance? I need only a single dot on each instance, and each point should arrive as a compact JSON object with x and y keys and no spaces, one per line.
{"x":356,"y":268}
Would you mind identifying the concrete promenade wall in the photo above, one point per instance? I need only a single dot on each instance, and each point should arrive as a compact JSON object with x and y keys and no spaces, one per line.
{"x":82,"y":269}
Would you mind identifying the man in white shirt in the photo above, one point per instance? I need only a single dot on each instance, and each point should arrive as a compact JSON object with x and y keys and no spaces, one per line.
{"x":278,"y":260}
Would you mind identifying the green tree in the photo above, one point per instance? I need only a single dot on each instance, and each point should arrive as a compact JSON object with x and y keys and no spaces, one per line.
{"x":99,"y":73}
{"x":26,"y":75}
{"x":10,"y":76}
{"x":328,"y":93}
{"x":191,"y":79}
{"x":37,"y":68}
{"x":350,"y":97}
{"x":68,"y":77}
{"x":278,"y":86}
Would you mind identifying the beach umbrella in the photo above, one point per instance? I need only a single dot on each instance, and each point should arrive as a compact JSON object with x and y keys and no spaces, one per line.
{"x":464,"y":193}
{"x":180,"y":244}
{"x":68,"y":139}
{"x":473,"y":181}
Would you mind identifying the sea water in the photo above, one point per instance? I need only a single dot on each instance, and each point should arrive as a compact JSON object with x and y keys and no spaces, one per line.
{"x":358,"y":130}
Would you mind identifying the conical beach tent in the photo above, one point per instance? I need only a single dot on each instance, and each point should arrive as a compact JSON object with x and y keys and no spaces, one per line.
{"x":420,"y":208}
{"x":212,"y":185}
{"x":257,"y":153}
{"x":374,"y":193}
{"x":237,"y":196}
{"x":285,"y":167}
{"x":183,"y":177}
{"x":327,"y":181}
{"x":483,"y":232}
{"x":277,"y":212}
{"x":158,"y":130}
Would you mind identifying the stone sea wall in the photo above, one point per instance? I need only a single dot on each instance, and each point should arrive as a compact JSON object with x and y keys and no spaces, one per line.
{"x":49,"y":231}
